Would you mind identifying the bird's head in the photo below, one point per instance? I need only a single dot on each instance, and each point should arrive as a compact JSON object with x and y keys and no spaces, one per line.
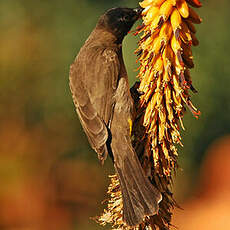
{"x":119,"y":21}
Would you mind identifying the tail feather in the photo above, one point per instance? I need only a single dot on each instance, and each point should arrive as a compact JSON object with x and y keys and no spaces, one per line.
{"x":140,"y":197}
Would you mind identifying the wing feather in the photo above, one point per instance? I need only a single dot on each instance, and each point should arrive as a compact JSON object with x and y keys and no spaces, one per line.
{"x":93,"y":81}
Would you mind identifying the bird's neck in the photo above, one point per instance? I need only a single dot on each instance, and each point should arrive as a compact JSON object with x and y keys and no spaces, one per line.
{"x":106,"y":37}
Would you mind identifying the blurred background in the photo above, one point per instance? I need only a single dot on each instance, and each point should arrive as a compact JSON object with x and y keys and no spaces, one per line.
{"x":50,"y":177}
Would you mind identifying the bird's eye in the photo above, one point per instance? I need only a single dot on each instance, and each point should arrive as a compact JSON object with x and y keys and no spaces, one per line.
{"x":125,"y":18}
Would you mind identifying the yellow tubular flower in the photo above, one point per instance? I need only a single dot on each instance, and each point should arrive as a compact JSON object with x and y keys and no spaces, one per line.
{"x":182,"y":7}
{"x":153,"y":12}
{"x":165,"y":57}
{"x":176,"y":22}
{"x":166,"y":9}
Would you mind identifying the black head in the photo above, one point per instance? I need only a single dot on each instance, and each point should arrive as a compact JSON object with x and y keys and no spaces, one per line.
{"x":120,"y":20}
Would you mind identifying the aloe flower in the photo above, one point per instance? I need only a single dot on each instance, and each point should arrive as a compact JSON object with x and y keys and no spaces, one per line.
{"x":161,"y":98}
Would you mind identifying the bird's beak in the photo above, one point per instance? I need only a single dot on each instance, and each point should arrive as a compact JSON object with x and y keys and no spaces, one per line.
{"x":138,"y":12}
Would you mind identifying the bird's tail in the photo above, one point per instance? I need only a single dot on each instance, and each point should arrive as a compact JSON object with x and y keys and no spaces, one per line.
{"x":140,"y":197}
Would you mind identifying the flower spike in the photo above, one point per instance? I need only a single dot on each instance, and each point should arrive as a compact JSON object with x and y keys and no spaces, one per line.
{"x":161,"y":97}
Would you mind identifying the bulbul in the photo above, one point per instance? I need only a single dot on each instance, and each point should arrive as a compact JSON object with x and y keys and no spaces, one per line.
{"x":100,"y":90}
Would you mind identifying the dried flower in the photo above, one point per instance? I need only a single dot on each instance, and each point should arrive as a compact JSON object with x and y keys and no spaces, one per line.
{"x":165,"y":57}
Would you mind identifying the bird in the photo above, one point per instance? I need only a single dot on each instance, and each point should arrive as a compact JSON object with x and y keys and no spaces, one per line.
{"x":99,"y":85}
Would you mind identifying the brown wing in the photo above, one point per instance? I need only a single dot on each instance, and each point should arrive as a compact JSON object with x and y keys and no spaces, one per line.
{"x":93,"y":81}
